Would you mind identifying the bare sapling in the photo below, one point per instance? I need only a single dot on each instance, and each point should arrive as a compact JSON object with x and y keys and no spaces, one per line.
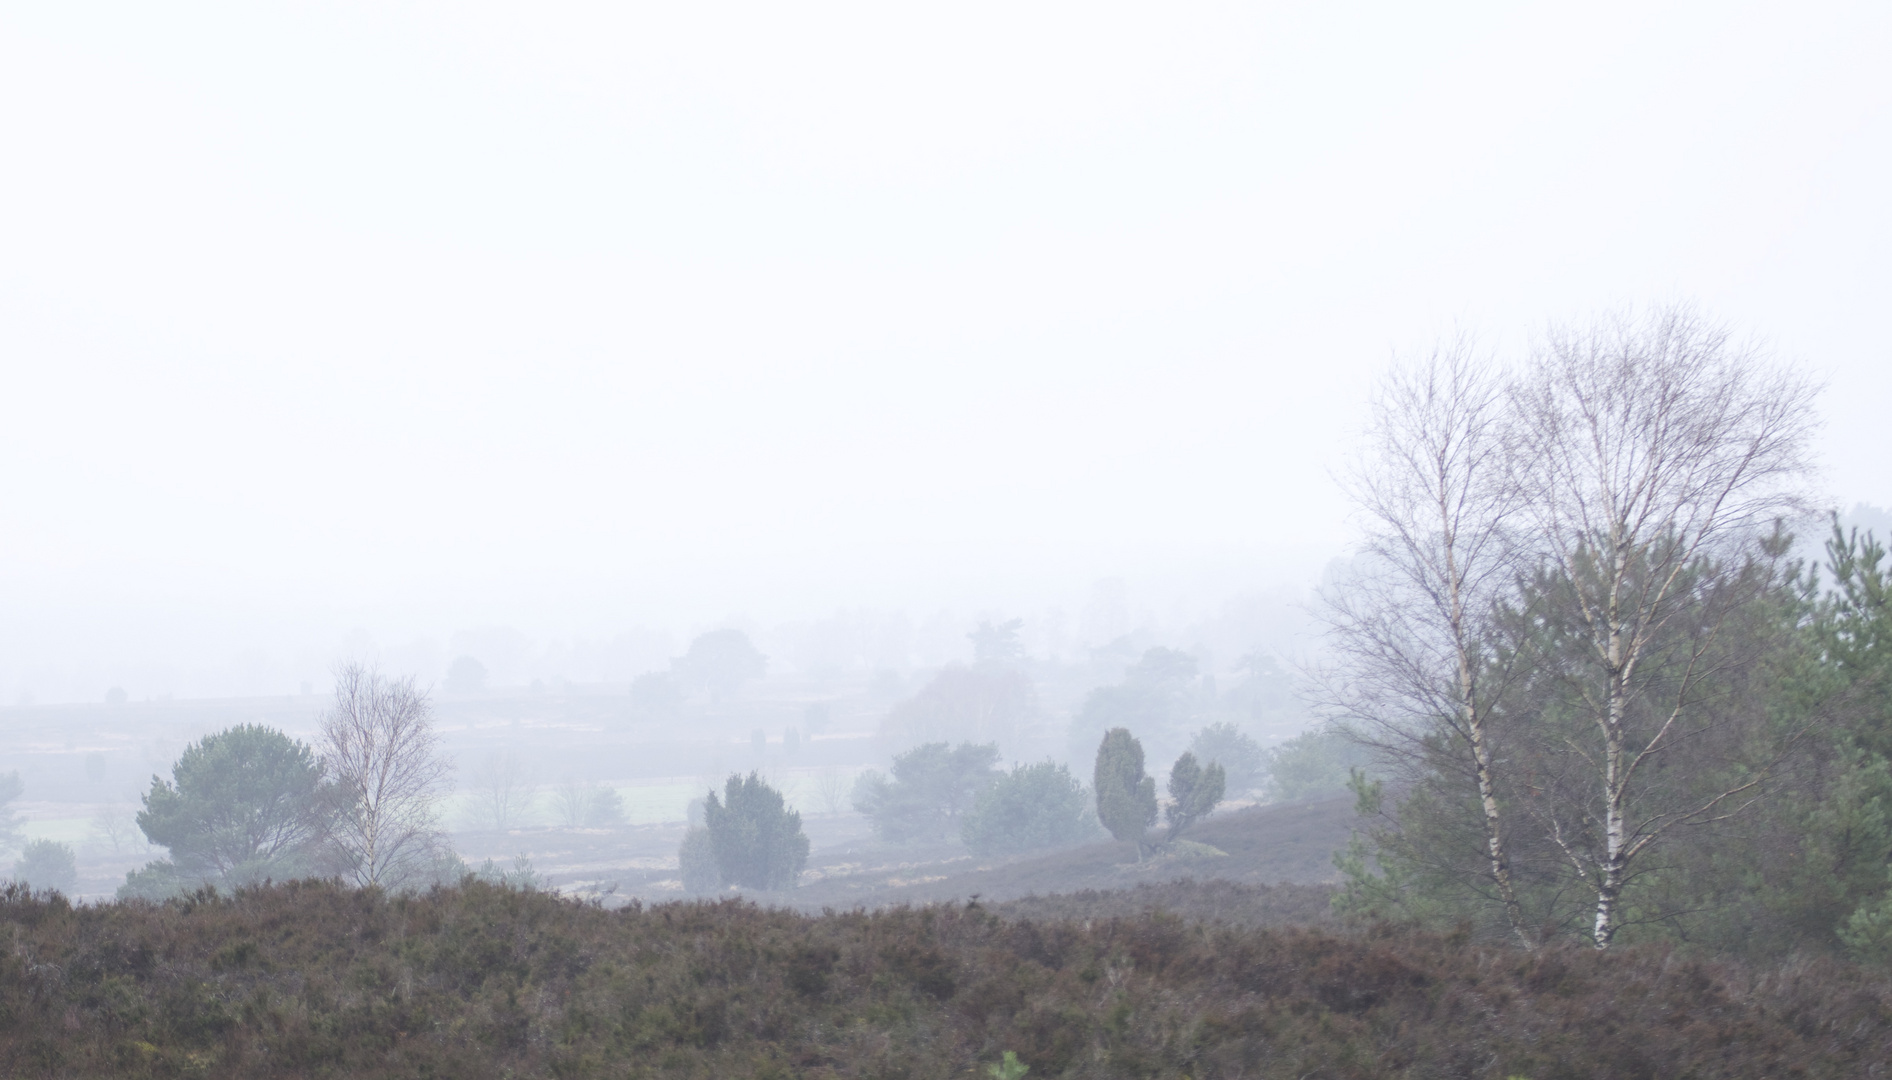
{"x":1413,"y":632}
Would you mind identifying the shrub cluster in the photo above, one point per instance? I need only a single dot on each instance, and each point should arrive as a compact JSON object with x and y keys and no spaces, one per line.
{"x":47,"y":864}
{"x":933,"y":788}
{"x":483,"y":980}
{"x":1032,"y":806}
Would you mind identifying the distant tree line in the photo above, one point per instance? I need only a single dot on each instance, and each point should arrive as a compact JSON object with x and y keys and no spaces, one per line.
{"x":938,"y":792}
{"x":715,"y":665}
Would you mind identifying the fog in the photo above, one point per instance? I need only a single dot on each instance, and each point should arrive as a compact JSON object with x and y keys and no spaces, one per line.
{"x":556,"y":336}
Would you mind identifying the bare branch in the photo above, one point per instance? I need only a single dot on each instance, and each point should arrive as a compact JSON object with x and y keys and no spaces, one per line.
{"x":1414,"y":631}
{"x":379,"y":746}
{"x":1653,"y":452}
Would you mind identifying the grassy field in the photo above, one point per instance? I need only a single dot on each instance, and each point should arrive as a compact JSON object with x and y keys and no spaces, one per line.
{"x":645,"y":803}
{"x":76,"y":831}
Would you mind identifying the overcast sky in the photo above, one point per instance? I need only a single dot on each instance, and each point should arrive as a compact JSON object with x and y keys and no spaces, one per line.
{"x":410,"y":318}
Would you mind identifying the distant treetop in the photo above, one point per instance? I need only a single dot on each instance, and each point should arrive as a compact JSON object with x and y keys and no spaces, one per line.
{"x":1167,"y":669}
{"x":465,"y":676}
{"x":997,"y":644}
{"x":720,"y":661}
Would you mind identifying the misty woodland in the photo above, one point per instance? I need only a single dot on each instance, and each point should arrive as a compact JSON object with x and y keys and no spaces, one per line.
{"x":858,"y":541}
{"x":1589,"y":775}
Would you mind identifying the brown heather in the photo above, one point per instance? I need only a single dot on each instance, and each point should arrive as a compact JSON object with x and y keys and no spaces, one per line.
{"x":315,"y":979}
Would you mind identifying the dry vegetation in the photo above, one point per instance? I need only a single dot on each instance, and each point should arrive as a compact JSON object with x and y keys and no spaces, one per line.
{"x":1259,"y":845}
{"x":1225,"y":903}
{"x":320,"y":980}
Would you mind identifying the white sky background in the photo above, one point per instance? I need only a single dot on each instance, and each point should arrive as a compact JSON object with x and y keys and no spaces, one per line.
{"x":414,"y":318}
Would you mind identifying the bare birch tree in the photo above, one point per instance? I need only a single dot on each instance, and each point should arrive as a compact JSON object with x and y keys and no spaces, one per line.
{"x":378,"y":744}
{"x":1652,"y":457}
{"x":1413,"y":632}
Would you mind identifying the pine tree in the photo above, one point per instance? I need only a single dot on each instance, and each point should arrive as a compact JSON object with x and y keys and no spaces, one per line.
{"x":1195,"y":790}
{"x":757,"y":841}
{"x":1126,"y":798}
{"x":243,"y":805}
{"x":696,"y":862}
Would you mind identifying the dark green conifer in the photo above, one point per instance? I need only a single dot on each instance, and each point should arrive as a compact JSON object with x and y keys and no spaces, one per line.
{"x":1126,"y":798}
{"x":1195,"y":790}
{"x":756,"y":840}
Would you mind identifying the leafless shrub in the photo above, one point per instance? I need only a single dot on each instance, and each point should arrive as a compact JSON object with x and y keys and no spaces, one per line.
{"x":831,"y":790}
{"x":118,"y":828}
{"x":1418,"y":676}
{"x":580,"y":805}
{"x":504,"y":792}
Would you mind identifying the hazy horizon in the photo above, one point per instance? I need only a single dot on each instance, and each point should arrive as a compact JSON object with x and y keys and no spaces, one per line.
{"x":368,"y":327}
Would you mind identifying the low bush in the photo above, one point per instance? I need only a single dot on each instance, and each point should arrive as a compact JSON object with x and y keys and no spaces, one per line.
{"x":483,"y":980}
{"x":47,"y":864}
{"x":1312,"y":764}
{"x":932,"y":789}
{"x":1030,"y":807}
